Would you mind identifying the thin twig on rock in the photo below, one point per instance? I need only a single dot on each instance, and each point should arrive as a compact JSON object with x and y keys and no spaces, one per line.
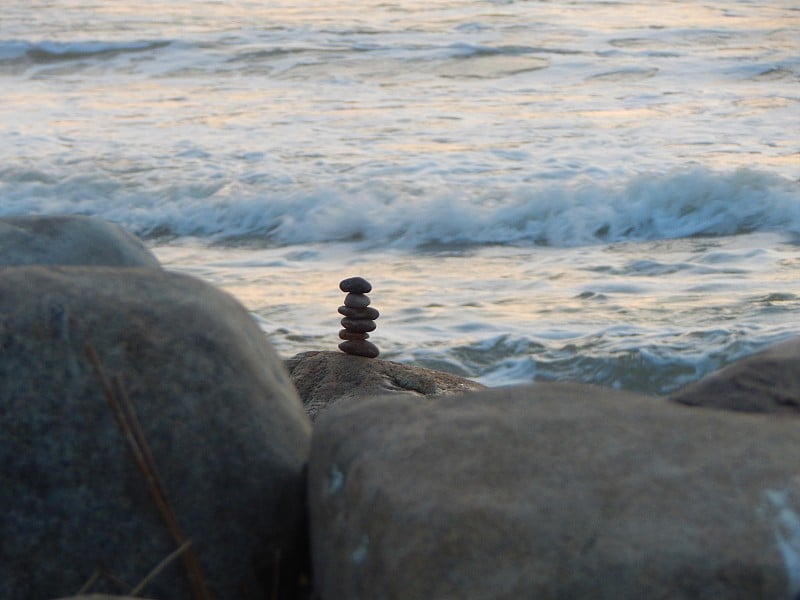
{"x":132,"y":431}
{"x":95,"y":577}
{"x":90,"y":582}
{"x":158,"y":568}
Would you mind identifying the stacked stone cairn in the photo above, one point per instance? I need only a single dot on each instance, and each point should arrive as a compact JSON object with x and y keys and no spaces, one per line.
{"x":359,"y":318}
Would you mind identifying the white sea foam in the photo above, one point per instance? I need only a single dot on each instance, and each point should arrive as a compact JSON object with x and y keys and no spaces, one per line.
{"x":648,"y":207}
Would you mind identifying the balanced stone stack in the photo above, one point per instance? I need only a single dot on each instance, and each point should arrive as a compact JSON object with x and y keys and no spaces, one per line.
{"x":359,"y":318}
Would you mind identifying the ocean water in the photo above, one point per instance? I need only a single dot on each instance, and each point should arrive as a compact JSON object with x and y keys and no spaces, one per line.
{"x":606,"y":192}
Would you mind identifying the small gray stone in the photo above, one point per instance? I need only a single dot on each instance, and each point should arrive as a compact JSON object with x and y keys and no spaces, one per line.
{"x":352,"y":335}
{"x":359,"y":313}
{"x":358,"y":325}
{"x":359,"y":285}
{"x":356,"y":300}
{"x":360,"y":348}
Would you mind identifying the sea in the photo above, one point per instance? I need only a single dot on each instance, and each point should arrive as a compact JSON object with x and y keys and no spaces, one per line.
{"x":587,"y":190}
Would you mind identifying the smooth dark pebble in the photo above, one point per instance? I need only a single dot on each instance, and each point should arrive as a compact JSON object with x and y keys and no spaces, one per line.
{"x":360,"y":348}
{"x":359,"y":313}
{"x":356,"y":300}
{"x":358,"y":285}
{"x":358,"y":325}
{"x":352,"y":335}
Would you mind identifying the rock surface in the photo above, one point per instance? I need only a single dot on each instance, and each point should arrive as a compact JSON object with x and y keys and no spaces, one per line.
{"x":765,"y":382}
{"x":352,"y":335}
{"x":225,"y":426}
{"x":101,"y":597}
{"x":359,"y":313}
{"x":360,"y":348}
{"x":356,"y":285}
{"x":553,"y":491}
{"x":358,"y":325}
{"x":357,"y":300}
{"x":324,"y":378}
{"x":70,"y":240}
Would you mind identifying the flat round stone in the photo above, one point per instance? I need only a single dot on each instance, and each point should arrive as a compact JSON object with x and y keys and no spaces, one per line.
{"x":359,"y":313}
{"x":360,"y":348}
{"x":356,"y":300}
{"x":352,"y":335}
{"x":359,"y":285}
{"x":358,"y":325}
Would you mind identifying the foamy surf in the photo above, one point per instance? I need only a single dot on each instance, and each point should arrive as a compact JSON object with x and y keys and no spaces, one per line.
{"x":685,"y":203}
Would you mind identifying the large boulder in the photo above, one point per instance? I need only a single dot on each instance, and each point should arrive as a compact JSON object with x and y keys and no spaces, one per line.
{"x":225,"y":427}
{"x":101,"y":597}
{"x":553,"y":491}
{"x":768,"y":381}
{"x":70,"y":240}
{"x":323,"y":378}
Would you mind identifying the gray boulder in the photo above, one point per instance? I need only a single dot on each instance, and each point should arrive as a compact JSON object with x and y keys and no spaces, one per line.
{"x":765,"y":382}
{"x":553,"y":491}
{"x":101,"y":597}
{"x":324,"y":378}
{"x":70,"y":240}
{"x":226,"y":429}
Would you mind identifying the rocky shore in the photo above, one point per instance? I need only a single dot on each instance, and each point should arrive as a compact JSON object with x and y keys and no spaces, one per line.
{"x":153,"y":444}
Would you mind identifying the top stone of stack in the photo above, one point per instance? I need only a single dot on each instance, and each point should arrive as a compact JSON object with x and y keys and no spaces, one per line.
{"x":355,"y":285}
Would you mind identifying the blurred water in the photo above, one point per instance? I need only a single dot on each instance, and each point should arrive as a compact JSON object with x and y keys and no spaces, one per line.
{"x":537,"y":189}
{"x":646,"y":316}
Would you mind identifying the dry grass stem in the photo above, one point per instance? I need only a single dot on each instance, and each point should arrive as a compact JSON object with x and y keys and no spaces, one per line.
{"x":158,"y":568}
{"x":132,"y":431}
{"x":102,"y":572}
{"x":276,"y":575}
{"x":90,"y":582}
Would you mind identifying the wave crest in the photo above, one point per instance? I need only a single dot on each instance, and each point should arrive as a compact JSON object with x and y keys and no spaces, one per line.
{"x":686,"y":203}
{"x":46,"y":52}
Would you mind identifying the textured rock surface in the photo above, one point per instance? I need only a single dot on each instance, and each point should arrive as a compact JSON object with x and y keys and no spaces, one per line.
{"x":70,"y":240}
{"x":359,"y":313}
{"x":357,"y":300}
{"x":323,"y":378}
{"x":225,"y":426}
{"x":352,"y":335}
{"x":358,"y":325}
{"x":553,"y":491}
{"x":360,"y":348}
{"x":765,"y":382}
{"x":101,"y":597}
{"x":356,"y":285}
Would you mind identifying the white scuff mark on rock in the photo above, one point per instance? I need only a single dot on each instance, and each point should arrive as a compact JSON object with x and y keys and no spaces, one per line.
{"x":786,"y":523}
{"x":335,"y":480}
{"x":359,"y":555}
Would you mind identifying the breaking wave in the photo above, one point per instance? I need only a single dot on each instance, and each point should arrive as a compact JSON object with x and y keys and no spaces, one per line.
{"x":685,"y":203}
